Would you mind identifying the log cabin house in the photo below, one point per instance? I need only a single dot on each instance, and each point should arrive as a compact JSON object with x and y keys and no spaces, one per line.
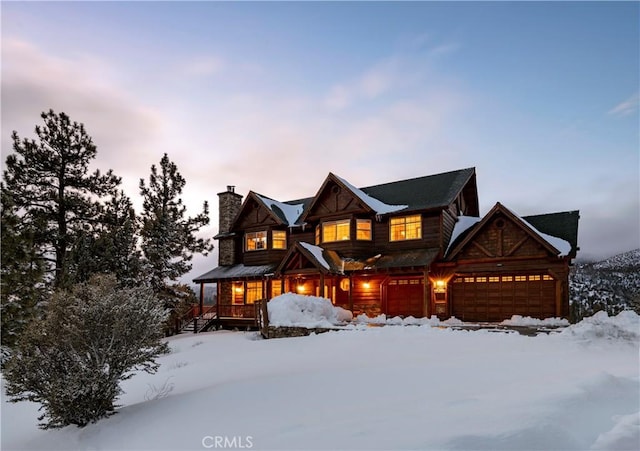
{"x":413,"y":247}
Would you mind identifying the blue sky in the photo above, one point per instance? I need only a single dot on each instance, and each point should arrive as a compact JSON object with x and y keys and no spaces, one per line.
{"x":541,"y":97}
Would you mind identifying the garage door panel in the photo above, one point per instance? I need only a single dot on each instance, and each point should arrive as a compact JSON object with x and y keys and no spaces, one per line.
{"x":405,"y":297}
{"x":484,"y":298}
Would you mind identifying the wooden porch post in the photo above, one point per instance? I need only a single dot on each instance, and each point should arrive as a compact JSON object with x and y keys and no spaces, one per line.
{"x":427,"y":295}
{"x":201,"y":297}
{"x":322,"y":285}
{"x":218,"y":297}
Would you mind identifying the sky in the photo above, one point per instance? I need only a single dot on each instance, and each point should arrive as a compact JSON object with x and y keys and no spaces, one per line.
{"x":540,"y":97}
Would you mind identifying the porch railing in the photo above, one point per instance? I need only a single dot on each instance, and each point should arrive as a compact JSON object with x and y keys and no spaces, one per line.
{"x":237,"y":311}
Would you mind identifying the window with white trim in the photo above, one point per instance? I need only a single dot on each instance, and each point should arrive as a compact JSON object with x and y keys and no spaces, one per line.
{"x":255,"y":241}
{"x":336,"y":231}
{"x":405,"y":228}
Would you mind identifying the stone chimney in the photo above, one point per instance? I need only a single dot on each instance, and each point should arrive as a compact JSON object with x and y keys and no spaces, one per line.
{"x":229,"y":205}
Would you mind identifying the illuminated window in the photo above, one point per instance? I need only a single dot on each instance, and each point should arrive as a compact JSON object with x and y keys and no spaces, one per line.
{"x":507,"y":278}
{"x":253,"y":291}
{"x":494,"y":279}
{"x":238,"y":293}
{"x":535,"y":277}
{"x":468,"y":279}
{"x":279,"y":239}
{"x":520,"y":278}
{"x":547,"y":277}
{"x":405,"y":228}
{"x":276,"y":288}
{"x":481,"y":279}
{"x":363,"y":229}
{"x":256,"y":241}
{"x":336,"y":231}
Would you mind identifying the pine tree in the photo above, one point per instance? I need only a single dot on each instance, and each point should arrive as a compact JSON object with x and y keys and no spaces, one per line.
{"x":92,"y":337}
{"x":168,"y":237}
{"x":21,"y":274}
{"x":111,"y":246}
{"x":50,"y":183}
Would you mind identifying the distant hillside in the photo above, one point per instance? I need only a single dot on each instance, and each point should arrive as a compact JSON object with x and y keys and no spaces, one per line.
{"x":209,"y":293}
{"x":611,"y":285}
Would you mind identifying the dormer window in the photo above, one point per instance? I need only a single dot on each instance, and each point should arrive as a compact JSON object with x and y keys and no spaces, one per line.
{"x":255,"y":241}
{"x":405,"y":228}
{"x":336,"y":231}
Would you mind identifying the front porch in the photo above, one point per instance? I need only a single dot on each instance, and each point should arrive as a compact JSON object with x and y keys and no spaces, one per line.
{"x":219,"y":317}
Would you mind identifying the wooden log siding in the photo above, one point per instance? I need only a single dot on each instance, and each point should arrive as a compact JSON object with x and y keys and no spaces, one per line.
{"x":449,"y":218}
{"x":367,"y":300}
{"x":430,"y":236}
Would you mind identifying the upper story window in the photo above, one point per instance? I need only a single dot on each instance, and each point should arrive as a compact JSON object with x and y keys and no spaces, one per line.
{"x":279,"y":239}
{"x":405,"y":228}
{"x":255,"y":241}
{"x":363,"y":229}
{"x":336,"y":231}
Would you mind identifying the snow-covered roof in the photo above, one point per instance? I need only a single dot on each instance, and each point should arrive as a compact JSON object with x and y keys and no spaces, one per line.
{"x":316,"y":251}
{"x":289,"y":213}
{"x":376,"y":205}
{"x":561,"y":245}
{"x":464,"y":223}
{"x":234,"y":271}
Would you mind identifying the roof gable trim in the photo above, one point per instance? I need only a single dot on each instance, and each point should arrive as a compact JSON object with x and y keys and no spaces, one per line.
{"x":374,"y":204}
{"x":290,"y":213}
{"x":556,"y":246}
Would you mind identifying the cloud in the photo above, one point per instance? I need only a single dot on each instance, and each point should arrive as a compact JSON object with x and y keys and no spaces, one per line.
{"x":127,"y":133}
{"x":627,"y":107}
{"x":386,"y":75}
{"x":203,"y":66}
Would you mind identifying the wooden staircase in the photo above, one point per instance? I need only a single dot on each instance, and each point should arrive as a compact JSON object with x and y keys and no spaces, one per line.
{"x":199,"y":323}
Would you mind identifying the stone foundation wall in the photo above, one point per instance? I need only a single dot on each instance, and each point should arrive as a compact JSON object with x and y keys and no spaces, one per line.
{"x":287,"y":332}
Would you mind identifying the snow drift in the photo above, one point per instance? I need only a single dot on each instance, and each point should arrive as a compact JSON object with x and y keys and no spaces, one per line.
{"x":295,"y":310}
{"x":575,"y":390}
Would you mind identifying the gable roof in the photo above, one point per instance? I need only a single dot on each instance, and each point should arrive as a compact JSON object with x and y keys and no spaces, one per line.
{"x":326,"y":261}
{"x":554,"y":244}
{"x":286,"y":212}
{"x":431,"y":191}
{"x":374,"y":204}
{"x":421,"y":193}
{"x":563,"y":225}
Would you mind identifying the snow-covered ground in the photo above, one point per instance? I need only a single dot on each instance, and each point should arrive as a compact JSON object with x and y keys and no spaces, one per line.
{"x":391,"y":387}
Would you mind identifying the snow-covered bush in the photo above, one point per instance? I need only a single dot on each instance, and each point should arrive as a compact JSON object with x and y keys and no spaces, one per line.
{"x":291,"y":309}
{"x":91,"y":338}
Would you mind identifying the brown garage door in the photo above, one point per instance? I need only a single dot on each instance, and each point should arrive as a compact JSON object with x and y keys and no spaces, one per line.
{"x":496,"y":298}
{"x":405,"y":297}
